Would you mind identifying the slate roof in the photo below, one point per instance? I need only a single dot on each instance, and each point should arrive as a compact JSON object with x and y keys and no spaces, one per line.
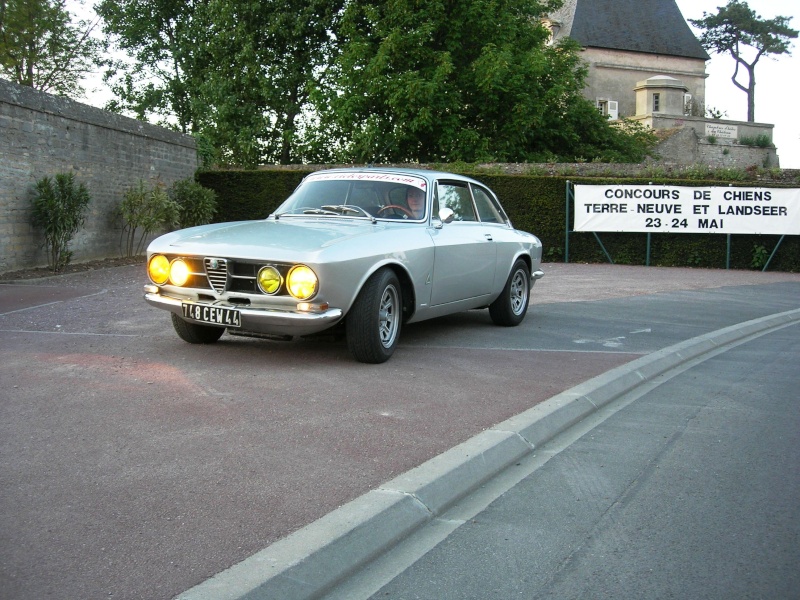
{"x":651,"y":26}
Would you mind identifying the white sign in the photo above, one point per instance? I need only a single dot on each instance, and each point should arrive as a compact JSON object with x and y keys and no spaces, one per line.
{"x":722,"y":131}
{"x":673,"y":209}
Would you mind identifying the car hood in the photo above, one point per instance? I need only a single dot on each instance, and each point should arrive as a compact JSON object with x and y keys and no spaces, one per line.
{"x":285,"y":239}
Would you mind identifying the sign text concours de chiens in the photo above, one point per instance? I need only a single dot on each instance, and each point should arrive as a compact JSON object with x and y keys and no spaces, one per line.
{"x":674,"y":209}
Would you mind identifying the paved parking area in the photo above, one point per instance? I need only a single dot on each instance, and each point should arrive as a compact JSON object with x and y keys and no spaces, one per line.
{"x":135,"y":466}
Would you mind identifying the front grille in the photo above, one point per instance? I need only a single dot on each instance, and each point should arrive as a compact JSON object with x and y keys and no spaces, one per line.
{"x":217,"y":273}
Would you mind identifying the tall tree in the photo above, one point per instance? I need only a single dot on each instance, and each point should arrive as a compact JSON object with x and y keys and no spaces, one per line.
{"x":266,"y":59}
{"x":236,"y":72}
{"x":41,"y":47}
{"x":734,"y":29}
{"x":165,"y":44}
{"x":452,"y":80}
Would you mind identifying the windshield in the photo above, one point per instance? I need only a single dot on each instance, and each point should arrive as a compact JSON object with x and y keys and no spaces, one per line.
{"x":364,"y":195}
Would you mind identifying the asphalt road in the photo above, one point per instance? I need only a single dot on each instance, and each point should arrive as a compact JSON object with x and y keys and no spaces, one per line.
{"x":136,"y":466}
{"x":690,"y":491}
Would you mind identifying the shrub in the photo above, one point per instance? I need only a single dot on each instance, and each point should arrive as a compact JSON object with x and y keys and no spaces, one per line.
{"x":196,"y":204}
{"x":58,"y":208}
{"x":760,"y":256}
{"x":761,"y":141}
{"x":143,"y":211}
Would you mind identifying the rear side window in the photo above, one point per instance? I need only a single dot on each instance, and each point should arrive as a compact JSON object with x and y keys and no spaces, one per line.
{"x":488,"y":209}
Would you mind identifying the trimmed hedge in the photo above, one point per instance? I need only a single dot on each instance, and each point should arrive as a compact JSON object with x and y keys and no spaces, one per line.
{"x":245,"y":195}
{"x":537,"y":204}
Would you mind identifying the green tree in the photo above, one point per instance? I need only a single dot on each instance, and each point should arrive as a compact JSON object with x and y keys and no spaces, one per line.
{"x":266,"y":58}
{"x":235,"y":72}
{"x":41,"y":47}
{"x":734,"y":29}
{"x":462,"y":80}
{"x":165,"y":42}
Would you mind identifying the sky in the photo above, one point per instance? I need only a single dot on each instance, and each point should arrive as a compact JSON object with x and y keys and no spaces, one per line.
{"x":777,"y":79}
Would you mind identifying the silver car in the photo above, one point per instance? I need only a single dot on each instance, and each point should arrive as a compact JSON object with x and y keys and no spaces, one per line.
{"x":369,"y":249}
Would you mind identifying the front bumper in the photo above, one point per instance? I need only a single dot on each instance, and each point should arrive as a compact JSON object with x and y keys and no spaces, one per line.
{"x":253,"y":319}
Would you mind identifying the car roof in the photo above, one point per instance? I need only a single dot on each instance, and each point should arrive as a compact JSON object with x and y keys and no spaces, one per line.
{"x":427,"y":174}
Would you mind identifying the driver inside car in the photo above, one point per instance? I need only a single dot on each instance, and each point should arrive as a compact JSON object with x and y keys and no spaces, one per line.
{"x":415,"y":199}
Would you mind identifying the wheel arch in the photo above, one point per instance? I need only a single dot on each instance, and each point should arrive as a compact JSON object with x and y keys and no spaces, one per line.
{"x":407,"y":294}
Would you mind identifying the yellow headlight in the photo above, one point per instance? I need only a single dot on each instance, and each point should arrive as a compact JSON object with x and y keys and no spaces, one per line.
{"x":158,"y":269}
{"x":178,"y":272}
{"x":269,"y":280}
{"x":301,"y":282}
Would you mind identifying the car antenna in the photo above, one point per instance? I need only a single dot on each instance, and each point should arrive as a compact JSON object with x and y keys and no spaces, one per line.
{"x":371,"y":164}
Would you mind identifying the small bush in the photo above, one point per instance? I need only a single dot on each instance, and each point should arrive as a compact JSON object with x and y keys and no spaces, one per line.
{"x":760,"y":141}
{"x":763,"y":141}
{"x":760,"y":256}
{"x":58,"y":208}
{"x":144,"y":211}
{"x":196,"y":204}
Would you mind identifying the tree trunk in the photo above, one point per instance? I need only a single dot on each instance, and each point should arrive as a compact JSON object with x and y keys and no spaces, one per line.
{"x":751,"y":95}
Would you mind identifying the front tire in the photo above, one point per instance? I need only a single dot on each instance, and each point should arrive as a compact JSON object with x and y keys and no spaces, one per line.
{"x":373,"y":323}
{"x":196,"y":334}
{"x":511,"y":305}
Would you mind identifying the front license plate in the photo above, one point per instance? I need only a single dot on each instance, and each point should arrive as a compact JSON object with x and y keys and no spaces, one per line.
{"x":215,"y":315}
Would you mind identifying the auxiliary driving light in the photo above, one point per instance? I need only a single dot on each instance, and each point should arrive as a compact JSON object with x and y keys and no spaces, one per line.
{"x":269,"y":280}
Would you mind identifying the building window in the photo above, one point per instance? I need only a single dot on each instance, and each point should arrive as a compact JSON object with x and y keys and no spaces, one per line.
{"x":608,"y":108}
{"x":656,"y":103}
{"x":553,"y":27}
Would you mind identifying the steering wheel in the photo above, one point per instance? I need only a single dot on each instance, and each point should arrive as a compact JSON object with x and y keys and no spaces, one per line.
{"x":397,"y":207}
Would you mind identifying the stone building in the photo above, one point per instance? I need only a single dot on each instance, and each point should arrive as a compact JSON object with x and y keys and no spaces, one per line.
{"x":645,"y":64}
{"x":628,"y":41}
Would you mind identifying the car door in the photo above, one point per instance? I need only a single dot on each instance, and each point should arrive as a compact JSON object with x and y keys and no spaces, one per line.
{"x":465,"y":254}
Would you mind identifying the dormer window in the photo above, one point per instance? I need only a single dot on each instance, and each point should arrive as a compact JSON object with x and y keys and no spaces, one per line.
{"x":553,"y":27}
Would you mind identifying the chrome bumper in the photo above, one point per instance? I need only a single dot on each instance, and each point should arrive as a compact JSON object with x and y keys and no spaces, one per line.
{"x":259,"y":320}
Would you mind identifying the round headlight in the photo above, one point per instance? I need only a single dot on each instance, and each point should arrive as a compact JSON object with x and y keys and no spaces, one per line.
{"x":301,"y":282}
{"x":269,"y":280}
{"x":158,"y":269}
{"x":178,"y":272}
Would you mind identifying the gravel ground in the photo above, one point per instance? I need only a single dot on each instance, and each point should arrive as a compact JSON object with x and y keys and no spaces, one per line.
{"x":81,"y":267}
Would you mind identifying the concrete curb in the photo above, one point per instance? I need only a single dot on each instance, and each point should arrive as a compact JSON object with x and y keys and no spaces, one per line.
{"x":312,"y":560}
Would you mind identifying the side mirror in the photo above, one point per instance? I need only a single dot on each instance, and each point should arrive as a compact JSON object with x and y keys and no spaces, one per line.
{"x":446,"y":215}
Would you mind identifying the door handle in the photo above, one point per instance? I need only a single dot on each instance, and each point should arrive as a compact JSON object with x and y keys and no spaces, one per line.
{"x":488,"y":237}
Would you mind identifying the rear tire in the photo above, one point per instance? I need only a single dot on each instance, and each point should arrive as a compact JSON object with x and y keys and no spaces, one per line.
{"x":196,"y":334}
{"x":511,"y":305}
{"x":373,"y":323}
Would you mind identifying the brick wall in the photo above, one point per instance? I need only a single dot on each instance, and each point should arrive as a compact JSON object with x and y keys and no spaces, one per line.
{"x":41,"y":135}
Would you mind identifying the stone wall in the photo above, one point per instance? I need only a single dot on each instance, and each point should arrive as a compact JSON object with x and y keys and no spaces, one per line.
{"x":712,"y":142}
{"x":41,"y":135}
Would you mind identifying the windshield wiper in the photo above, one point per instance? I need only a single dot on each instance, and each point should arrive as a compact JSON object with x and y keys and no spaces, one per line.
{"x":349,"y":208}
{"x":320,"y":211}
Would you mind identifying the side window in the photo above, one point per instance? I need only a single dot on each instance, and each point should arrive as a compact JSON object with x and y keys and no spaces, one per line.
{"x":457,"y":198}
{"x":488,"y":209}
